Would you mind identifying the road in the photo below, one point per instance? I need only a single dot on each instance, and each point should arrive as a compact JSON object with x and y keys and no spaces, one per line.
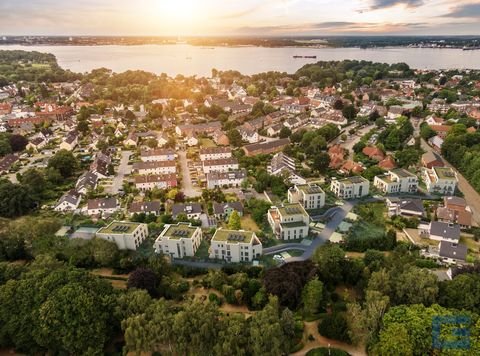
{"x":323,"y":237}
{"x":13,"y":176}
{"x":187,"y":187}
{"x":470,"y":194}
{"x":123,"y":170}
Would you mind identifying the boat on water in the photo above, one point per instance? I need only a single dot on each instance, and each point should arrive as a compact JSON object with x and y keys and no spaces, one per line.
{"x":309,"y":57}
{"x":471,"y":48}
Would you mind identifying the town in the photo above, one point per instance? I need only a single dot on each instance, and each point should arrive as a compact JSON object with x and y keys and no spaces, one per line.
{"x":236,"y":171}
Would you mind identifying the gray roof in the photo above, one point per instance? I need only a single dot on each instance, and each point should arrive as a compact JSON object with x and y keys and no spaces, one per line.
{"x":453,"y":250}
{"x":445,"y":230}
{"x":145,"y":207}
{"x":71,"y":197}
{"x":102,"y":203}
{"x":190,"y":208}
{"x":88,"y":179}
{"x":412,"y":205}
{"x":219,"y":208}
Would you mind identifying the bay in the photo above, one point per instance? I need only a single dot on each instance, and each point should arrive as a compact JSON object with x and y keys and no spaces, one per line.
{"x":193,"y":60}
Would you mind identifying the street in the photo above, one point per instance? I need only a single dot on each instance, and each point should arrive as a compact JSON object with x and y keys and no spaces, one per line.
{"x":187,"y":187}
{"x":470,"y":195}
{"x":123,"y":170}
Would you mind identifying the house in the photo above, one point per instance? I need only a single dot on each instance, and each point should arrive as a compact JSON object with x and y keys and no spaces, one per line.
{"x":440,"y":180}
{"x":86,"y":182}
{"x":205,"y":128}
{"x":274,"y":130}
{"x":191,"y":210}
{"x":309,"y":195}
{"x":213,"y":153}
{"x":7,"y":162}
{"x":441,"y":130}
{"x":147,"y":207}
{"x":394,"y":112}
{"x":126,"y":235}
{"x":162,"y":140}
{"x":131,"y":140}
{"x":440,"y":231}
{"x":70,"y":142}
{"x":431,"y":159}
{"x":436,"y":142}
{"x":266,"y":147}
{"x":102,"y":206}
{"x":220,"y":165}
{"x":220,"y":138}
{"x":396,"y":181}
{"x":289,"y":221}
{"x":222,"y":211}
{"x":452,"y":252}
{"x":455,"y":211}
{"x":36,"y":144}
{"x":351,"y":167}
{"x":191,"y":140}
{"x":405,"y":207}
{"x":248,"y":135}
{"x":235,"y":246}
{"x":234,"y":178}
{"x":350,"y":188}
{"x":178,"y":240}
{"x":158,"y":155}
{"x":69,"y":201}
{"x":159,"y":181}
{"x":373,"y":153}
{"x":388,"y":163}
{"x":160,"y":167}
{"x":434,"y":120}
{"x":279,"y":162}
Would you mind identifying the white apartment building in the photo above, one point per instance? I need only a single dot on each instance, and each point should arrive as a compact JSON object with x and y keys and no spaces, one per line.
{"x":440,"y":180}
{"x":397,"y":181}
{"x":235,"y":246}
{"x":179,"y":240}
{"x":163,"y":167}
{"x":212,"y":153}
{"x":311,"y":196}
{"x":127,"y":235}
{"x":220,"y":165}
{"x":289,"y":222}
{"x":229,"y":179}
{"x":350,"y":188}
{"x":158,"y":155}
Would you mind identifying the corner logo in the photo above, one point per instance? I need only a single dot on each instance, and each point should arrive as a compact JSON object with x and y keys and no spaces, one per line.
{"x":451,"y":332}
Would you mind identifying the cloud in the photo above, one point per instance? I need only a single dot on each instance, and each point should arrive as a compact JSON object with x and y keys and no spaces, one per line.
{"x":383,"y":4}
{"x":466,"y":10}
{"x":331,"y":27}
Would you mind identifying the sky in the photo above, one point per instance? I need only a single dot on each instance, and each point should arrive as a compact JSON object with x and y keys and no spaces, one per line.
{"x":239,"y":17}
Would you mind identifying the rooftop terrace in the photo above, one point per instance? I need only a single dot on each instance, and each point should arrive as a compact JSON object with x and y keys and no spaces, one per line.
{"x":233,"y":236}
{"x":179,"y":231}
{"x":119,"y":228}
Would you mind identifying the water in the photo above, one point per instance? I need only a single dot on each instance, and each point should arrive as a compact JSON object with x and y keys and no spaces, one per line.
{"x":192,"y":60}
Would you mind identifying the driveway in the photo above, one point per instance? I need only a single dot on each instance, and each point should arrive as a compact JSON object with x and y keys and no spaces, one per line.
{"x":187,"y":187}
{"x":123,"y":170}
{"x":470,"y":194}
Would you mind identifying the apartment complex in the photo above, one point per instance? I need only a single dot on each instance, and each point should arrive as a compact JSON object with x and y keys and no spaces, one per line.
{"x":235,"y":246}
{"x":396,"y":181}
{"x":440,"y":180}
{"x":127,"y":235}
{"x":211,"y":153}
{"x":350,"y":188}
{"x":311,"y":196}
{"x":179,"y":240}
{"x":289,"y":222}
{"x":226,"y":179}
{"x":158,"y":155}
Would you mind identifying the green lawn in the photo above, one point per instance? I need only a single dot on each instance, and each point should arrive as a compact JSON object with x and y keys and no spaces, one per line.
{"x":206,"y":142}
{"x":202,"y":251}
{"x":249,"y":224}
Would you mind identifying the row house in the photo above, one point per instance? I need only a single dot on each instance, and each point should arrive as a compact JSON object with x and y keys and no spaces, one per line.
{"x":162,"y":167}
{"x":266,"y":147}
{"x":147,"y":207}
{"x":158,"y":155}
{"x":87,"y":182}
{"x":69,"y":201}
{"x":213,"y":153}
{"x":155,"y":181}
{"x":220,"y":165}
{"x":226,"y":179}
{"x":70,"y":142}
{"x":102,"y":206}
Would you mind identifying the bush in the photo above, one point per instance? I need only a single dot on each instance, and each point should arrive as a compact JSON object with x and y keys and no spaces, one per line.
{"x":323,"y":351}
{"x":334,"y":326}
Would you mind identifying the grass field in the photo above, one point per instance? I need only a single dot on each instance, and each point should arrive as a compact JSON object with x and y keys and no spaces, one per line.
{"x":206,"y":142}
{"x":248,"y":224}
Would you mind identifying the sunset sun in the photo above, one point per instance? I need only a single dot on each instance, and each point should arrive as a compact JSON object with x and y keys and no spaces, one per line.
{"x":179,"y":12}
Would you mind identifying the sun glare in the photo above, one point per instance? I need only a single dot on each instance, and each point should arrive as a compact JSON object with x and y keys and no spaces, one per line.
{"x":179,"y":12}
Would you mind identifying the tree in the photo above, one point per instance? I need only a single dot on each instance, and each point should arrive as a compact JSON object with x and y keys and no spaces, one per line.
{"x":349,"y":112}
{"x":407,"y":157}
{"x":18,"y":143}
{"x":312,"y":296}
{"x":83,"y":127}
{"x":415,"y":286}
{"x":143,"y":278}
{"x":334,"y":326}
{"x":234,"y":222}
{"x":462,"y":292}
{"x":338,"y":104}
{"x":321,"y":161}
{"x":15,"y":199}
{"x":427,"y":132}
{"x":64,"y":162}
{"x":329,"y":259}
{"x":285,"y":132}
{"x":234,"y":137}
{"x":34,"y":180}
